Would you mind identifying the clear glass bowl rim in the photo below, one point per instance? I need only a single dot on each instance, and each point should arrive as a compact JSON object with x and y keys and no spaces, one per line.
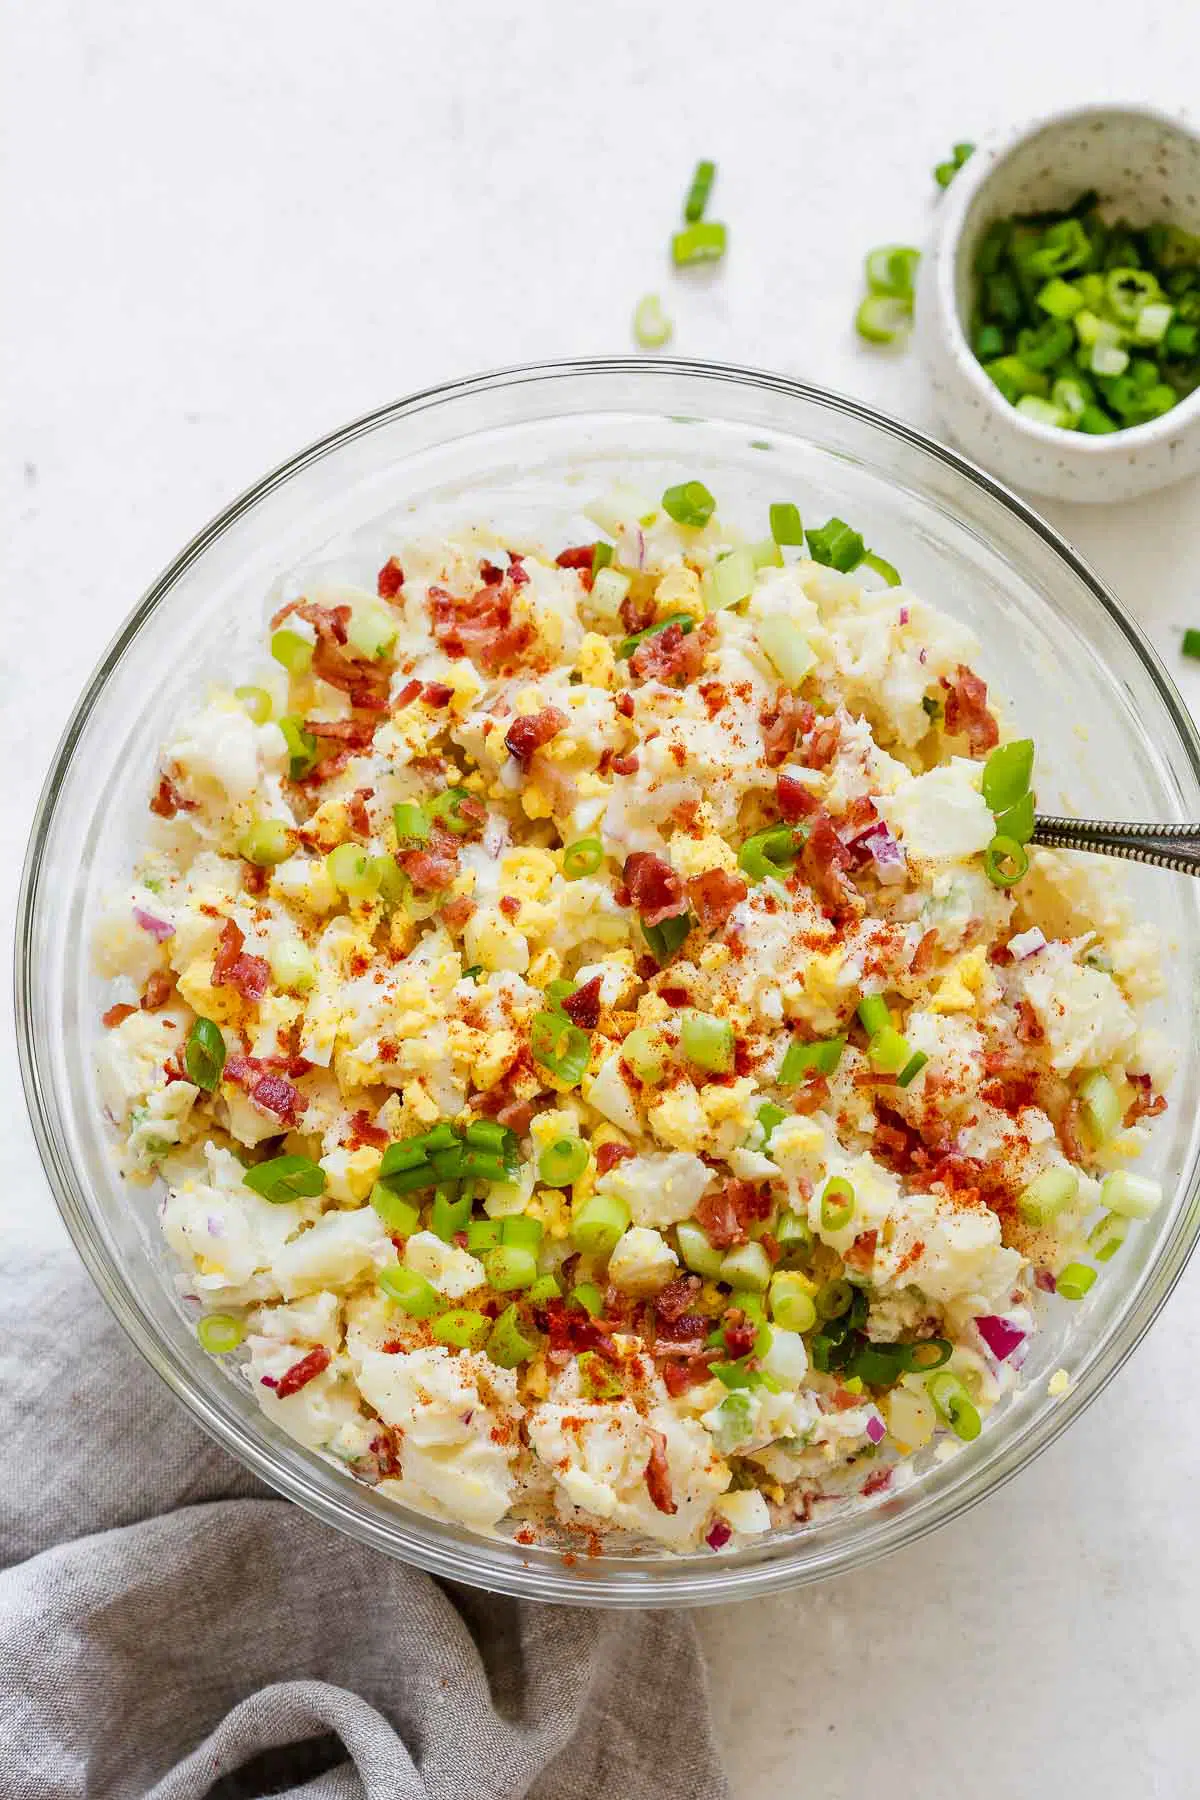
{"x":448,"y":1552}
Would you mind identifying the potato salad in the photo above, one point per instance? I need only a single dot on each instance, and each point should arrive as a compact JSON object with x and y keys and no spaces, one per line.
{"x":613,"y":1068}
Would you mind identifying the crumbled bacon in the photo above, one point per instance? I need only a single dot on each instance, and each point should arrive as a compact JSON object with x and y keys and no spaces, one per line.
{"x":625,"y":705}
{"x":356,"y":812}
{"x":248,"y":975}
{"x":1029,"y":1027}
{"x":658,"y":1475}
{"x":678,"y":1377}
{"x":1146,"y":1104}
{"x":713,"y":895}
{"x":655,"y":889}
{"x":385,"y":1448}
{"x":456,"y":912}
{"x":406,"y":695}
{"x":526,"y":735}
{"x":669,"y":655}
{"x":482,"y":625}
{"x":117,"y":1015}
{"x":160,"y":985}
{"x":967,"y":712}
{"x":624,"y":765}
{"x":354,"y":734}
{"x":329,"y":622}
{"x":739,"y":1334}
{"x":794,"y":798}
{"x":434,"y":864}
{"x":675,"y":1299}
{"x":574,"y":1330}
{"x":876,"y":1483}
{"x":517,"y":572}
{"x":861,"y":1253}
{"x":255,"y":880}
{"x":821,"y":743}
{"x":821,"y":865}
{"x":717,"y":1218}
{"x":637,"y":615}
{"x":924,"y":953}
{"x":583,"y":1006}
{"x":579,"y":557}
{"x":274,"y":1093}
{"x":437,"y":694}
{"x":608,"y":1155}
{"x":168,"y":800}
{"x":783,"y":720}
{"x":302,"y":1372}
{"x":389,"y":580}
{"x":684,"y":1335}
{"x":366,"y":683}
{"x":510,"y":906}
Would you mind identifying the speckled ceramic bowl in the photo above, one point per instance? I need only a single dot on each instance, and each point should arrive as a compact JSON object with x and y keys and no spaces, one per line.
{"x":1146,"y":167}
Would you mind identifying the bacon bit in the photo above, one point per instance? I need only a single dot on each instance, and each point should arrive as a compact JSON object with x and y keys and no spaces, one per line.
{"x":160,"y":985}
{"x":1146,"y":1104}
{"x":658,"y":1475}
{"x":437,"y":693}
{"x":714,"y":695}
{"x":645,"y":966}
{"x":583,"y":1006}
{"x":324,"y":771}
{"x":366,"y":683}
{"x":822,"y":742}
{"x":739,"y":1335}
{"x":272,"y":1092}
{"x":684,"y":1335}
{"x":783,"y":721}
{"x":678,"y":1377}
{"x":434,"y":866}
{"x":1001,"y":955}
{"x":924,"y":953}
{"x":329,"y":622}
{"x":526,"y":735}
{"x":510,"y":906}
{"x":482,"y":625}
{"x":608,"y":1155}
{"x":389,"y":580}
{"x":248,"y":975}
{"x":861,"y":1253}
{"x":713,"y":895}
{"x":876,"y":1483}
{"x":364,"y":1131}
{"x":624,"y":765}
{"x":625,"y":705}
{"x":356,"y":812}
{"x":1069,"y":1132}
{"x":255,"y":880}
{"x":302,"y":1372}
{"x":407,"y":695}
{"x":456,"y":912}
{"x":724,"y":1216}
{"x":1046,"y":1281}
{"x":580,"y":558}
{"x":677,"y":1297}
{"x":670,"y":655}
{"x":674,"y":996}
{"x":385,"y":1449}
{"x":517,"y":572}
{"x":822,"y":861}
{"x":655,"y":889}
{"x":117,"y":1015}
{"x":636,"y":615}
{"x":794,"y":800}
{"x":1029,"y":1026}
{"x":576,"y":1331}
{"x":168,"y":800}
{"x":811,"y":1095}
{"x":967,"y":712}
{"x":355,"y":734}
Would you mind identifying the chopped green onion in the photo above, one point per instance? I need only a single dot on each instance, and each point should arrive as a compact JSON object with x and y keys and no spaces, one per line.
{"x":1048,"y":1194}
{"x":836,"y":546}
{"x":523,"y":1231}
{"x":1031,"y":406}
{"x":769,"y":852}
{"x":954,"y":1405}
{"x":409,"y":1181}
{"x":1074,"y":1281}
{"x":293,"y":651}
{"x":401,"y":1217}
{"x":1153,"y":322}
{"x":945,"y":172}
{"x":482,"y":1234}
{"x":707,"y":1041}
{"x":446,"y":809}
{"x":286,"y":1178}
{"x":583,"y":857}
{"x":412,"y":826}
{"x":873,"y":1013}
{"x":833,"y":1299}
{"x":450,"y":1213}
{"x":1061,"y":299}
{"x":889,"y":1052}
{"x":219,"y":1333}
{"x":1128,"y":291}
{"x":792,"y":1303}
{"x":1133,"y":1196}
{"x":301,"y":748}
{"x":697,"y":1253}
{"x":837,"y":1204}
{"x":266,"y":843}
{"x":881,"y":319}
{"x":1005,"y":861}
{"x":690,"y":503}
{"x":1108,"y":359}
{"x":543,"y":1289}
{"x":352,"y":871}
{"x":786,"y":527}
{"x":559,"y":1046}
{"x":911,"y":1069}
{"x":748,"y":1266}
{"x":1107,"y":1235}
{"x":371,"y":631}
{"x":1018,"y":821}
{"x":628,"y":645}
{"x":489,"y":1134}
{"x":794,"y":1236}
{"x":461,"y":1328}
{"x":769,"y":1116}
{"x":1096,"y":422}
{"x":410,"y":1291}
{"x":473,"y":973}
{"x":602,"y":555}
{"x":510,"y":1266}
{"x":665,"y":938}
{"x":391,"y":882}
{"x":1191,"y":642}
{"x":1007,"y":773}
{"x":256,"y":701}
{"x":642,"y":1050}
{"x":767,"y":554}
{"x":598,"y":1223}
{"x":929,"y":1353}
{"x":651,"y":326}
{"x":204,"y":1054}
{"x":562,"y":1162}
{"x":609,"y":589}
{"x":890,"y":270}
{"x":882,"y":567}
{"x":819,"y":1058}
{"x":596,"y":1380}
{"x":700,"y":243}
{"x":787,"y":647}
{"x":698,"y":193}
{"x":730,"y":580}
{"x":588,"y":1297}
{"x":1101,"y":1106}
{"x":508,"y":1345}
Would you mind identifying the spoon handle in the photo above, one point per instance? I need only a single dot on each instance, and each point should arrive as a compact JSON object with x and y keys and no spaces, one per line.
{"x":1165,"y":846}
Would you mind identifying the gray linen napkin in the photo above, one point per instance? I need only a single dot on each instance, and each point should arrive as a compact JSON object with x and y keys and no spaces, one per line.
{"x":168,"y":1629}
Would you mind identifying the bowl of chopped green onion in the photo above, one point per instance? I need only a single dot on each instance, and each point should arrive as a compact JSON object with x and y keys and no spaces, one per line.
{"x":1059,"y":307}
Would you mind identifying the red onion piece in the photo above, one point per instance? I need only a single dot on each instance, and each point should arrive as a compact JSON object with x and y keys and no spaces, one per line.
{"x":718,"y":1535}
{"x":158,"y":928}
{"x":885,"y":853}
{"x":876,"y":1429}
{"x":1001,"y":1337}
{"x":904,"y":615}
{"x":1027,"y":943}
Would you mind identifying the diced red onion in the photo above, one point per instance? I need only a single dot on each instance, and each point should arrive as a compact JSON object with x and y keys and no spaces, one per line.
{"x":1027,"y":943}
{"x":216,"y":1227}
{"x":1045,"y":1280}
{"x":718,"y":1535}
{"x":495,"y":834}
{"x":1001,"y":1337}
{"x":904,"y":615}
{"x":885,"y":853}
{"x":269,"y":1380}
{"x":876,"y":1429}
{"x":158,"y":928}
{"x":923,"y":657}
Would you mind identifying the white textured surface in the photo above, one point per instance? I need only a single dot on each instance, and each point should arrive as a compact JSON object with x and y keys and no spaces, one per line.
{"x":231,"y":227}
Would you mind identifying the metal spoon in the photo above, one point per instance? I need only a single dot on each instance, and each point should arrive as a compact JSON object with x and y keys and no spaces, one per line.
{"x":1166,"y":846}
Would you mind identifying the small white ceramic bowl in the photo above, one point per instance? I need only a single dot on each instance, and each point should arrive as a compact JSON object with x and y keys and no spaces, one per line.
{"x":1146,"y":167}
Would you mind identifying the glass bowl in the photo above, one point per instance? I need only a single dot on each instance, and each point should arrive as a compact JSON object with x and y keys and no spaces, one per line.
{"x":530,"y":444}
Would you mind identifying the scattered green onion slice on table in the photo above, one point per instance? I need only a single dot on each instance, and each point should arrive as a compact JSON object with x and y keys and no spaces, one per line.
{"x":220,"y":1333}
{"x":944,"y":172}
{"x":689,"y":503}
{"x":890,"y":270}
{"x":583,"y":857}
{"x":1191,"y":642}
{"x":703,"y":242}
{"x":652,"y":327}
{"x":204,"y":1054}
{"x":882,"y":319}
{"x":286,"y":1178}
{"x":699,"y":191}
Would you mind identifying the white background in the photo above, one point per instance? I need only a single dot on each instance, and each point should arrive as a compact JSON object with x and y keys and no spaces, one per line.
{"x":231,"y":226}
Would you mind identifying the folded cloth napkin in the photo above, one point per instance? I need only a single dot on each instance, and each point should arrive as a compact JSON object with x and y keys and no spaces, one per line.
{"x":171,"y":1631}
